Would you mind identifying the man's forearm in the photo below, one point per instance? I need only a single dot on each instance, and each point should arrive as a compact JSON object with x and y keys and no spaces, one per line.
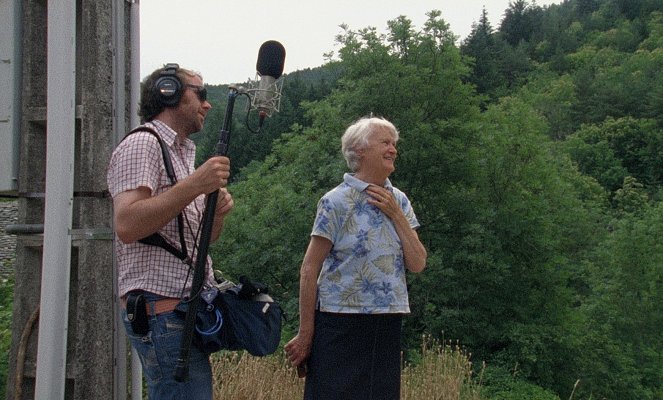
{"x":138,"y":215}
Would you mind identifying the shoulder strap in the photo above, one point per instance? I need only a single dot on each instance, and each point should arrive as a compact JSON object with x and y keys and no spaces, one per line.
{"x":156,"y":239}
{"x":164,"y":151}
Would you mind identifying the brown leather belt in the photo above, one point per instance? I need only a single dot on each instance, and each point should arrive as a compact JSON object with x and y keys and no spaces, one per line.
{"x":160,"y":306}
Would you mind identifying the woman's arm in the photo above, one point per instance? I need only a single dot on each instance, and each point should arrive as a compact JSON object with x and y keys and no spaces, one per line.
{"x":299,"y":348}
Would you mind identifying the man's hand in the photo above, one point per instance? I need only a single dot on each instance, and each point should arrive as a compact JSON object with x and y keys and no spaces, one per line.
{"x":212,"y":175}
{"x":224,"y":203}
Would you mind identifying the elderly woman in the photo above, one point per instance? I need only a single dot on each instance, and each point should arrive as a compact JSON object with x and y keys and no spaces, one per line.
{"x":353,"y":291}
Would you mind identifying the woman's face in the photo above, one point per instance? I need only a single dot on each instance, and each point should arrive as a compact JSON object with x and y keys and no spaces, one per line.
{"x":380,"y":154}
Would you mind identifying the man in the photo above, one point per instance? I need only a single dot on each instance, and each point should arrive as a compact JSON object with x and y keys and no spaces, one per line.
{"x":146,"y":202}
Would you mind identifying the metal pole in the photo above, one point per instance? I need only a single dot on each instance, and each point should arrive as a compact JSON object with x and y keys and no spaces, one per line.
{"x":60,"y":134}
{"x":119,"y":126}
{"x":120,"y":130}
{"x":134,"y":76}
{"x":182,"y":365}
{"x":11,"y":51}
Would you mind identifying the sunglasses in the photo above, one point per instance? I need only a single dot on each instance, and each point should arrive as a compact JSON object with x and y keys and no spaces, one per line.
{"x":200,"y":91}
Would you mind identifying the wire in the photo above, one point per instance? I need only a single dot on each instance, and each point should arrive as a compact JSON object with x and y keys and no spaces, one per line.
{"x":248,"y":112}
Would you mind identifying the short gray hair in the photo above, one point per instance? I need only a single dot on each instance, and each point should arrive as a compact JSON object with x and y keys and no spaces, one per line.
{"x":356,"y":138}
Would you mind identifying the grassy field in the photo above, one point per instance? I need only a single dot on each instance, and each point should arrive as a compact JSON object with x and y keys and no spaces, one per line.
{"x":443,"y":372}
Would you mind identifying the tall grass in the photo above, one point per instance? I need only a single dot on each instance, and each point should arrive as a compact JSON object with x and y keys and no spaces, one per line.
{"x":240,"y":376}
{"x":442,"y":372}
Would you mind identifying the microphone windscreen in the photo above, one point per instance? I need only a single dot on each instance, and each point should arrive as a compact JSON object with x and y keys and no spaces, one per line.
{"x":271,"y":58}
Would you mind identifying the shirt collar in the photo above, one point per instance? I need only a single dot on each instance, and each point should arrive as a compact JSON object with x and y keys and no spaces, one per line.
{"x":168,"y":134}
{"x":360,"y":185}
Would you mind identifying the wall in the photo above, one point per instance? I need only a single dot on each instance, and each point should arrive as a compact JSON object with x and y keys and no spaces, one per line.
{"x":8,"y":216}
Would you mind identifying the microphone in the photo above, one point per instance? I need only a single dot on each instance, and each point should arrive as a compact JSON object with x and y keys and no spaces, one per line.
{"x":267,"y":98}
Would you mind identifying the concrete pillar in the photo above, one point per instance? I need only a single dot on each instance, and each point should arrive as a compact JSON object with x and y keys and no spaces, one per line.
{"x":91,"y":343}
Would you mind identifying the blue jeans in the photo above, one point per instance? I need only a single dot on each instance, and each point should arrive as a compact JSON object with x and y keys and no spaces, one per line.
{"x":159,"y":351}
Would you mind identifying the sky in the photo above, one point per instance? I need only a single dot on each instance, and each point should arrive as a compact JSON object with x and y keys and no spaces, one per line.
{"x":221,"y":38}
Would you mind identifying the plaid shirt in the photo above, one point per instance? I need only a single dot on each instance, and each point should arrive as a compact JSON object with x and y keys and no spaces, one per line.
{"x":137,"y":162}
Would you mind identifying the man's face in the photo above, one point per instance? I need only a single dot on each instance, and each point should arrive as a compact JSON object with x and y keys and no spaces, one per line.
{"x":194,"y":106}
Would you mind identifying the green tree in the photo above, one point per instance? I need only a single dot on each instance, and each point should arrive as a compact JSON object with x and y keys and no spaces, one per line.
{"x":586,"y":7}
{"x":531,"y":267}
{"x":519,"y":22}
{"x":624,"y":317}
{"x":553,"y":96}
{"x":616,"y":148}
{"x":245,"y":144}
{"x":481,"y":46}
{"x":513,"y":228}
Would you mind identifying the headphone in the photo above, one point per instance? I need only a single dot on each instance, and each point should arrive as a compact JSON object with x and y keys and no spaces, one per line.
{"x":168,"y":86}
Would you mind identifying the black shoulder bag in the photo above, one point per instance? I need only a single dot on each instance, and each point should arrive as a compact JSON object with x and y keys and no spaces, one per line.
{"x":239,"y":316}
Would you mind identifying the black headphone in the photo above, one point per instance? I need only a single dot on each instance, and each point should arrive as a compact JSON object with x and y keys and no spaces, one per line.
{"x":168,"y":86}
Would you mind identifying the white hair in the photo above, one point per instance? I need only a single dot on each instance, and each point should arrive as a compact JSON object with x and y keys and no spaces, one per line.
{"x":356,"y":138}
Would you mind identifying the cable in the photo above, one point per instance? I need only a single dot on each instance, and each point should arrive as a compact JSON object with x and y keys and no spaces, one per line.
{"x":20,"y":356}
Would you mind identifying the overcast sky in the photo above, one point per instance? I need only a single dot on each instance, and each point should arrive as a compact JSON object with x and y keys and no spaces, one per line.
{"x":221,"y":38}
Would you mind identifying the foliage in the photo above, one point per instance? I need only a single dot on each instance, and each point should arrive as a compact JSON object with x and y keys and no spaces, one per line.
{"x":245,"y":146}
{"x":481,"y":46}
{"x":532,"y":155}
{"x":500,"y":384}
{"x":624,"y":318}
{"x":519,"y":22}
{"x":498,"y":278}
{"x":6,"y":301}
{"x":614,"y":149}
{"x":553,"y":96}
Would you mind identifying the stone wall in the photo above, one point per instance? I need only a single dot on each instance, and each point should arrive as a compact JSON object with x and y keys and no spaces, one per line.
{"x":8,"y":216}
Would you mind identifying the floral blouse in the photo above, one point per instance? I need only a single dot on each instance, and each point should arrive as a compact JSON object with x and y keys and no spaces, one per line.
{"x":364,"y":271}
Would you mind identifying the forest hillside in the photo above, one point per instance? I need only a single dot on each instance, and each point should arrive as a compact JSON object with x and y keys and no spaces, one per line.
{"x":532,"y":152}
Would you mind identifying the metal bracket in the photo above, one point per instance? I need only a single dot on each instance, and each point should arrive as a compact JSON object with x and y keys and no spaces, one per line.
{"x":91,"y":234}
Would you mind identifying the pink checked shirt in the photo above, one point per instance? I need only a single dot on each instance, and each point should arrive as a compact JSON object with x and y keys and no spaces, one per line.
{"x":136,"y":162}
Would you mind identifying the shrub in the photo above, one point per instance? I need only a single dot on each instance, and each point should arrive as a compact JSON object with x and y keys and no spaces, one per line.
{"x":6,"y":301}
{"x":500,"y":384}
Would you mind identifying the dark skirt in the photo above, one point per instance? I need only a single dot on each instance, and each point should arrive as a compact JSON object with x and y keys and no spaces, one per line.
{"x":355,"y":357}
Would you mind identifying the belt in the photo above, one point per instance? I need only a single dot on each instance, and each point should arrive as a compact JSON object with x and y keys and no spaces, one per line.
{"x":160,"y":306}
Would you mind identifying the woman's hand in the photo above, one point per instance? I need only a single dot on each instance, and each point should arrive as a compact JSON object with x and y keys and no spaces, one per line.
{"x":414,"y":252}
{"x":384,"y":200}
{"x":297,"y":351}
